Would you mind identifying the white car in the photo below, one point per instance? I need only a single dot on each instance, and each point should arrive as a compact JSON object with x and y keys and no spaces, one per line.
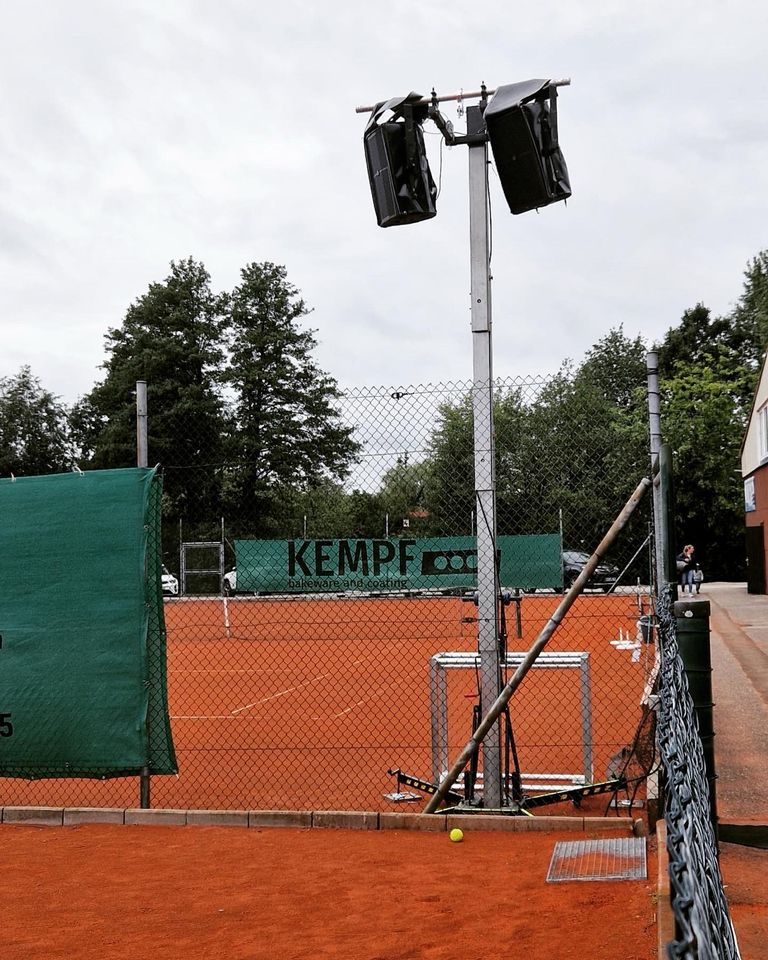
{"x":170,"y":585}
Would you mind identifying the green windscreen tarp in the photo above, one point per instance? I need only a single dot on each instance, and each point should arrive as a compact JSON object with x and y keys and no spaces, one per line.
{"x":82,"y":634}
{"x":391,"y":565}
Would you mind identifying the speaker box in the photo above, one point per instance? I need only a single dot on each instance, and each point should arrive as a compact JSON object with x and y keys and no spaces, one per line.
{"x":521,"y":120}
{"x":398,"y":171}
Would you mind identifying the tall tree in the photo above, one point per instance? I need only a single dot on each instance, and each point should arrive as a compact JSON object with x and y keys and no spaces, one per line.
{"x":616,"y":367}
{"x":568,"y":452}
{"x":34,"y":432}
{"x":750,"y":315}
{"x":289,"y":432}
{"x":704,"y":416}
{"x":170,"y":337}
{"x":709,"y":371}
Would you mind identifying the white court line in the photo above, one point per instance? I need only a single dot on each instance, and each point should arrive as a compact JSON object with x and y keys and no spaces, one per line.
{"x":250,"y":670}
{"x":283,"y":693}
{"x":359,"y":703}
{"x":201,"y":716}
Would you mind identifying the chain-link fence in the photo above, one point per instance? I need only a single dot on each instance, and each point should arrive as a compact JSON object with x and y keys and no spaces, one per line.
{"x":324,"y":633}
{"x":703,"y":924}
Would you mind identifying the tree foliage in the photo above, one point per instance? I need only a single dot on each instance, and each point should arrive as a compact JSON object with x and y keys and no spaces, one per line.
{"x":170,"y":338}
{"x":34,"y":429}
{"x":246,"y":424}
{"x":241,"y":418}
{"x":567,"y":456}
{"x":709,"y":367}
{"x":287,"y":431}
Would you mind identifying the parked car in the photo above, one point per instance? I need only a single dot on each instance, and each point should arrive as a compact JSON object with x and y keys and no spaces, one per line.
{"x":170,"y":585}
{"x":603,"y":578}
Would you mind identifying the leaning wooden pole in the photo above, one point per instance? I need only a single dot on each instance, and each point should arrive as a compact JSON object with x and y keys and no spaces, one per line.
{"x":542,"y":640}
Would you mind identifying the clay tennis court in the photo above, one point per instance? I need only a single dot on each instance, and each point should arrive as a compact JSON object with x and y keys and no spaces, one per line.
{"x":305,"y":703}
{"x":191,"y":893}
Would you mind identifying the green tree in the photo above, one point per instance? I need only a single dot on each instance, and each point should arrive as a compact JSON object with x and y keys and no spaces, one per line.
{"x":288,"y":431}
{"x":34,"y":431}
{"x":749,"y":318}
{"x":704,"y":417}
{"x":449,"y":480}
{"x":615,"y":366}
{"x":586,"y":456}
{"x":403,"y":497}
{"x":692,"y":340}
{"x":170,"y":337}
{"x":568,"y":453}
{"x":708,"y":369}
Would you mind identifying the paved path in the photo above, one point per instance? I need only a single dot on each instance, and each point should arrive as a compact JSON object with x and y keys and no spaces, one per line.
{"x":739,"y":624}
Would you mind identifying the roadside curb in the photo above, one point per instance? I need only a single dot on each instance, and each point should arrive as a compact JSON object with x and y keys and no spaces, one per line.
{"x":320,"y":819}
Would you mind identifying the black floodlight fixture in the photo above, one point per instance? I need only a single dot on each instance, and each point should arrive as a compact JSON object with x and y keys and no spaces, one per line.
{"x":521,"y":119}
{"x":401,"y":182}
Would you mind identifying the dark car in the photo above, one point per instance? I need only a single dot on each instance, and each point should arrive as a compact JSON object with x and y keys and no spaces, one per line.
{"x":603,"y":578}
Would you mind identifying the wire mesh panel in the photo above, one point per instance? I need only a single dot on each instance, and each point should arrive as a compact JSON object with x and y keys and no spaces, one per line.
{"x":615,"y":858}
{"x":300,"y":678}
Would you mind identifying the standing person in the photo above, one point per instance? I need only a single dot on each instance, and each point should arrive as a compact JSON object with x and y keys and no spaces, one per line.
{"x":686,"y":565}
{"x":698,"y":574}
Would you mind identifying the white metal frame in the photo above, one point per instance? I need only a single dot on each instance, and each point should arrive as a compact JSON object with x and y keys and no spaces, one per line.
{"x":440,"y":663}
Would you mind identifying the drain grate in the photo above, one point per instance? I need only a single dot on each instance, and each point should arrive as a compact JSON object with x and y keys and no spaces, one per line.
{"x":616,"y":858}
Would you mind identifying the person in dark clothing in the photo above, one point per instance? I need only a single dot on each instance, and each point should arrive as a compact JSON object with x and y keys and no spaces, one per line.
{"x":686,"y":566}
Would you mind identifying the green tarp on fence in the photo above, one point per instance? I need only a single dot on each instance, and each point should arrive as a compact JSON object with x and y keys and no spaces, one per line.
{"x":82,"y":654}
{"x":310,"y":566}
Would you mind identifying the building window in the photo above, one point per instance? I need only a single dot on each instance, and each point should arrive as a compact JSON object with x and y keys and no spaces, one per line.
{"x":749,"y":495}
{"x":762,"y":429}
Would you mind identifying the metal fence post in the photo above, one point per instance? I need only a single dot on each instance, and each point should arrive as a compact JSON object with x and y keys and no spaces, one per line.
{"x":692,"y":620}
{"x":142,"y":460}
{"x":667,"y":516}
{"x":654,"y":421}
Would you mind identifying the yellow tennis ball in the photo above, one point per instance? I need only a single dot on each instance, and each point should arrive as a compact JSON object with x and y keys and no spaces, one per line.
{"x":456,"y":835}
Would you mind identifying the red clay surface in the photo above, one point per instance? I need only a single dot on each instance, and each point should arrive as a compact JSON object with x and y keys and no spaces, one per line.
{"x":306,"y":703}
{"x":197,"y":893}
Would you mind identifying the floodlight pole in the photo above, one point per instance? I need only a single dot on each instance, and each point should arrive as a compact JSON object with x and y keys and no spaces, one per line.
{"x":485,"y":456}
{"x":482,"y":407}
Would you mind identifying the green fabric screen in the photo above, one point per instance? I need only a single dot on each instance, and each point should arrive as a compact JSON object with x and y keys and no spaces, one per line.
{"x":310,"y":566}
{"x":82,"y":648}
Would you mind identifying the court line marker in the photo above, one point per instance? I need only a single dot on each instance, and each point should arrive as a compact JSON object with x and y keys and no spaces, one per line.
{"x":359,"y":703}
{"x":283,"y":693}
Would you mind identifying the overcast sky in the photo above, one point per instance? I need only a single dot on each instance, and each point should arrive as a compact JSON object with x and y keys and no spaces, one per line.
{"x":137,"y":132}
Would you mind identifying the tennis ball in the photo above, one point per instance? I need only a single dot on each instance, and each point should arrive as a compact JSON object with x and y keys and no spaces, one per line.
{"x":456,"y":835}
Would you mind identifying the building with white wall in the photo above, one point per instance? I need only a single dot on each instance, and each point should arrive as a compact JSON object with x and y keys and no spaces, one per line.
{"x":754,"y":471}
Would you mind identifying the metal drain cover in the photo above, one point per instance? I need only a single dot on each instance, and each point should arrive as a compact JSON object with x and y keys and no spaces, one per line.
{"x":617,"y":858}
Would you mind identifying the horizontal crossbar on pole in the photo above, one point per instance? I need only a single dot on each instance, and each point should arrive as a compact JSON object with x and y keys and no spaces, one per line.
{"x":472,"y":95}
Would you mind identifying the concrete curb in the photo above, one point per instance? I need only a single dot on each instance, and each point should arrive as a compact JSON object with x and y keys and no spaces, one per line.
{"x":34,"y":816}
{"x":319,"y":819}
